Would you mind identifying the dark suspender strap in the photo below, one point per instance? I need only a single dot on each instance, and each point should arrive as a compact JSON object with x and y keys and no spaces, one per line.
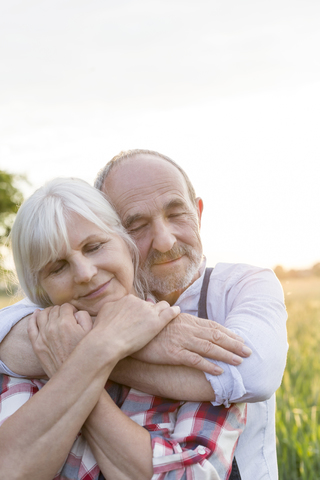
{"x":202,"y":305}
{"x":202,"y":313}
{"x":235,"y":474}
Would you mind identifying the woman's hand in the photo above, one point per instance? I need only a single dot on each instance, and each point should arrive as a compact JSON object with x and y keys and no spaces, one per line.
{"x":54,"y":332}
{"x":130,"y":323}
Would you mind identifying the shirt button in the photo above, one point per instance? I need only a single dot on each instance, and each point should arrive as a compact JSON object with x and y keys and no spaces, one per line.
{"x":202,"y":450}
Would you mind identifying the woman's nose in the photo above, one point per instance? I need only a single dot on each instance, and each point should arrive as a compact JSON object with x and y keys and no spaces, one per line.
{"x":84,"y":270}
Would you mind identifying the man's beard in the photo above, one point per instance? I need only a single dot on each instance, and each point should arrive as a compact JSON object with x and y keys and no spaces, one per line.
{"x":162,"y":286}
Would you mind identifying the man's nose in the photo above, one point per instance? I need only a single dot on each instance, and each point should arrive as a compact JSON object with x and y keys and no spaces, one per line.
{"x":163,"y":238}
{"x":84,"y":270}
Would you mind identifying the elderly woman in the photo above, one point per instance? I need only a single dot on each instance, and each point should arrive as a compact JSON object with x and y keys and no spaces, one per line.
{"x":71,"y":251}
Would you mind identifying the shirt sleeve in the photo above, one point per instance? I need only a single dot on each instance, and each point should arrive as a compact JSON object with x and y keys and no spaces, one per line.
{"x":253,"y":307}
{"x":9,"y":316}
{"x":189,"y":440}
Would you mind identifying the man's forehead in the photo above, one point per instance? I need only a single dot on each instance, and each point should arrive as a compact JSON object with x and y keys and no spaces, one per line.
{"x":140,"y":180}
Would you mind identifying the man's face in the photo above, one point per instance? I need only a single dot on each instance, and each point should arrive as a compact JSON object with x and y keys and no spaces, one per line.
{"x":152,"y":199}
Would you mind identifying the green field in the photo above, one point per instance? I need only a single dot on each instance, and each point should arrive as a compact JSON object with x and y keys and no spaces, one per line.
{"x":298,"y":399}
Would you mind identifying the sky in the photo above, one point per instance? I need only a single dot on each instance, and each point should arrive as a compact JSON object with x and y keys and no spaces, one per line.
{"x":228,"y":89}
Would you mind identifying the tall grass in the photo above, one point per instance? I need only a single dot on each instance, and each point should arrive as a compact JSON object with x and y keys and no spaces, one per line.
{"x":298,"y":399}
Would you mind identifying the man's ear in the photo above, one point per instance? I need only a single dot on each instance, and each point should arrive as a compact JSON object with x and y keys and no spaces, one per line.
{"x":199,"y":204}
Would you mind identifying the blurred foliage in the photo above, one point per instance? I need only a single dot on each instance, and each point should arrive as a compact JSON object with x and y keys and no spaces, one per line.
{"x":11,"y":198}
{"x":283,"y":274}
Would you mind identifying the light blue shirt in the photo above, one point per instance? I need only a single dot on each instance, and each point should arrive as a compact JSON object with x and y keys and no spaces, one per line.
{"x":248,"y":300}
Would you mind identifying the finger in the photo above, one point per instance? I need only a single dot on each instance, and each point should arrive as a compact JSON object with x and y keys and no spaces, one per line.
{"x":67,"y":308}
{"x":193,"y":360}
{"x":84,"y":320}
{"x":219,"y":338}
{"x":168,"y":314}
{"x":216,"y":326}
{"x":42,"y":317}
{"x":160,"y":306}
{"x":208,"y":349}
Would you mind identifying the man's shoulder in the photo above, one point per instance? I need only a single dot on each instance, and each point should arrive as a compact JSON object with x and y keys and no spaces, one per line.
{"x":230,"y":274}
{"x":225,"y":270}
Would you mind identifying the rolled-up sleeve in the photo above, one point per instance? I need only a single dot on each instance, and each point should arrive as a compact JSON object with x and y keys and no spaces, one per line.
{"x":251,"y":304}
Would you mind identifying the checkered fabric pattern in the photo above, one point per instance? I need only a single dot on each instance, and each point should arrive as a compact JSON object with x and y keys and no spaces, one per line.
{"x":189,"y":440}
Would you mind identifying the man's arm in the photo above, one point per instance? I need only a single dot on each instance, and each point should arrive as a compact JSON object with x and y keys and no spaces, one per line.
{"x":17,"y":354}
{"x":252,"y":305}
{"x":177,"y":382}
{"x":187,"y":341}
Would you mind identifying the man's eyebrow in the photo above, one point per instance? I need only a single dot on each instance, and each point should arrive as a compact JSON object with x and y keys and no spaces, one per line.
{"x":131,"y":219}
{"x":174,"y":203}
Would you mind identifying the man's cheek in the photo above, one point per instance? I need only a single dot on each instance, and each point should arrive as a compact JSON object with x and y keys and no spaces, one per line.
{"x":143,"y":251}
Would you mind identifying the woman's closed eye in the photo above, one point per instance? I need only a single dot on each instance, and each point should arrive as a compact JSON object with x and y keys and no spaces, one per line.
{"x":94,"y":247}
{"x":57,"y":268}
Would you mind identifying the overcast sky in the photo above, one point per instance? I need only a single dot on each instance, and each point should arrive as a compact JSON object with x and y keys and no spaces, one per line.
{"x":228,"y":89}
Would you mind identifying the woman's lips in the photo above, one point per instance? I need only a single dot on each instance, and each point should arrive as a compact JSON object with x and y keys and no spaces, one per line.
{"x":98,"y":291}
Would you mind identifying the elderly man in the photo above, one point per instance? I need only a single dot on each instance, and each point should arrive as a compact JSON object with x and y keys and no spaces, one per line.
{"x":158,"y":206}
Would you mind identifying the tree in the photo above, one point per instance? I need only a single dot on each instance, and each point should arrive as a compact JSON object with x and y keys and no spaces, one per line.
{"x":10,"y":199}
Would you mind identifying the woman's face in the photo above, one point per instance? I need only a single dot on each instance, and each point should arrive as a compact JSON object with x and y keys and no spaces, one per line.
{"x":97,"y":269}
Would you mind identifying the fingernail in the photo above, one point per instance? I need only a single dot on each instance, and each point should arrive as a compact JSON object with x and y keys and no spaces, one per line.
{"x":246,"y":351}
{"x":236,"y":360}
{"x":218,"y":370}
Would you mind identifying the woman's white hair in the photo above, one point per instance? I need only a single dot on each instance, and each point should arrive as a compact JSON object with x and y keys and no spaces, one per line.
{"x":40,"y":232}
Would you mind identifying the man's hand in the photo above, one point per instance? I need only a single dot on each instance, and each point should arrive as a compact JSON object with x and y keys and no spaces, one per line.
{"x":188,"y":339}
{"x":55,"y":332}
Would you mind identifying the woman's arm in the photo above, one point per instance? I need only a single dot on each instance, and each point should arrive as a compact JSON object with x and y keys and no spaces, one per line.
{"x":35,"y":440}
{"x":38,"y":436}
{"x":121,"y":447}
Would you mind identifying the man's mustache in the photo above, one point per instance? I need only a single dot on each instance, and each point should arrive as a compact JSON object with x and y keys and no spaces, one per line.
{"x":176,"y":251}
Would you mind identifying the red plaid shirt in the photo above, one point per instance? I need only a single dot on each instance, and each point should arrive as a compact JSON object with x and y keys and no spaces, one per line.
{"x":189,"y":440}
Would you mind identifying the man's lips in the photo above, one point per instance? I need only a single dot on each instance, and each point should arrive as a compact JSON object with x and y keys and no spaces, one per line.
{"x":97,"y":291}
{"x":166,"y":261}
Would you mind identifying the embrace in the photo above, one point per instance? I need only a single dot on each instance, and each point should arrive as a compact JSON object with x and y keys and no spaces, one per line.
{"x":130,"y":359}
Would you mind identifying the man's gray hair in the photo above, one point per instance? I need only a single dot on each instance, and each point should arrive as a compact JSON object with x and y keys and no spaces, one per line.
{"x":125,"y":155}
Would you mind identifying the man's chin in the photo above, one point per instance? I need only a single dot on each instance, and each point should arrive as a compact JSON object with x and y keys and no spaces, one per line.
{"x":169,"y":279}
